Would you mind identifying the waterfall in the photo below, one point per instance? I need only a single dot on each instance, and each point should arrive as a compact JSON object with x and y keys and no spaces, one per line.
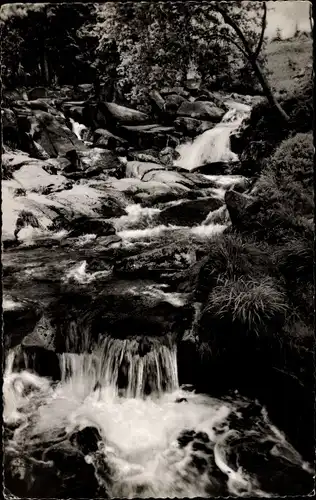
{"x":156,"y":440}
{"x":77,"y":128}
{"x":122,"y":366}
{"x":213,"y":145}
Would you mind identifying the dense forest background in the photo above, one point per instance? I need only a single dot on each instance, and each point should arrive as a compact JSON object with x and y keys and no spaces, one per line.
{"x":128,"y":47}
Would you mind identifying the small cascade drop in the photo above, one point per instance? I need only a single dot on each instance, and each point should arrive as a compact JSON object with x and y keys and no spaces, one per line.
{"x":213,"y":145}
{"x":137,"y":217}
{"x":77,"y":128}
{"x":130,"y":367}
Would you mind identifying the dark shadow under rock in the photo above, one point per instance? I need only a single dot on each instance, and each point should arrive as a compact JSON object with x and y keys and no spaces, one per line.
{"x":79,"y":318}
{"x":189,"y":213}
{"x":19,"y":319}
{"x":85,"y":225}
{"x":86,"y":440}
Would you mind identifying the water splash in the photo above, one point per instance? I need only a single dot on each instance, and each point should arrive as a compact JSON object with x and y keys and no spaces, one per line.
{"x":132,"y":235}
{"x":149,"y":234}
{"x":78,"y":274}
{"x":213,"y":145}
{"x":166,"y":444}
{"x":137,"y":217}
{"x":77,"y":128}
{"x":125,"y":367}
{"x":157,"y":291}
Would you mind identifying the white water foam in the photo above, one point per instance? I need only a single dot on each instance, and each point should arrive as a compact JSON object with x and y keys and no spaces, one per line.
{"x":78,"y":274}
{"x":141,"y":453}
{"x":213,"y":145}
{"x":203,"y":231}
{"x":136,"y":216}
{"x":77,"y":128}
{"x":156,"y":290}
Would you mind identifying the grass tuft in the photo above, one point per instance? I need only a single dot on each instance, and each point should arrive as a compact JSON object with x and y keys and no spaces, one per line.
{"x":250,"y":303}
{"x":230,"y":257}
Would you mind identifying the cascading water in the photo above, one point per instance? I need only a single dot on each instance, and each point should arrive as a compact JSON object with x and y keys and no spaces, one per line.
{"x":155,"y":439}
{"x":78,"y":128}
{"x":213,"y":145}
{"x":116,"y":362}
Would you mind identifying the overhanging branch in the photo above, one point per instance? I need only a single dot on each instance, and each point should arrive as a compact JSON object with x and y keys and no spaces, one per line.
{"x":230,"y":40}
{"x":263,"y":28}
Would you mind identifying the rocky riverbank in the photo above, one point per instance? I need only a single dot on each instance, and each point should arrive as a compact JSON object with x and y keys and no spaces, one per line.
{"x":108,"y":233}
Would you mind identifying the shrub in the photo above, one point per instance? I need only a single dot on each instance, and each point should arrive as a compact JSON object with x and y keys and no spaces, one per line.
{"x":293,"y":161}
{"x":251,"y":304}
{"x":266,"y":129}
{"x":295,"y":260}
{"x":231,"y":257}
{"x":272,"y":217}
{"x":301,"y":299}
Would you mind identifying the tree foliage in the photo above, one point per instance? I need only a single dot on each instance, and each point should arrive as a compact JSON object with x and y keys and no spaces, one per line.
{"x":157,"y":43}
{"x":41,"y":44}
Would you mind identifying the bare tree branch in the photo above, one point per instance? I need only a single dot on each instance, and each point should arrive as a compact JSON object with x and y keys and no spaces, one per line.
{"x":228,"y":20}
{"x":230,"y":40}
{"x":263,"y":28}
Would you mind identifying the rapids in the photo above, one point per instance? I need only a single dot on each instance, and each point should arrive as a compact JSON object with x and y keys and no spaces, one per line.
{"x":155,"y":438}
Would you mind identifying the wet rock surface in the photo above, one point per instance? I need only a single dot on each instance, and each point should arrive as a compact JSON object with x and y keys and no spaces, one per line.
{"x":109,"y":239}
{"x":189,"y":213}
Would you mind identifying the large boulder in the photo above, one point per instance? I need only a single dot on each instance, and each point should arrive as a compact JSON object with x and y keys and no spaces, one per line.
{"x":39,"y":104}
{"x":105,"y":139}
{"x":147,"y":136}
{"x":21,"y":209}
{"x":149,"y":193}
{"x":8,"y":118}
{"x":202,"y":110}
{"x":19,"y":319}
{"x":61,"y":472}
{"x":13,"y":161}
{"x":93,"y":199}
{"x":49,"y":131}
{"x":168,"y":155}
{"x":163,"y":259}
{"x":10,"y":131}
{"x":191,"y":126}
{"x":147,"y":155}
{"x":158,"y":102}
{"x":165,"y":91}
{"x":100,"y":159}
{"x":88,"y":225}
{"x":121,"y":310}
{"x":139,"y":169}
{"x":91,"y":163}
{"x":237,"y":205}
{"x":86,"y":90}
{"x":173,"y":102}
{"x":175,"y":178}
{"x":189,"y":212}
{"x":153,"y":172}
{"x":35,"y":177}
{"x":124,"y":115}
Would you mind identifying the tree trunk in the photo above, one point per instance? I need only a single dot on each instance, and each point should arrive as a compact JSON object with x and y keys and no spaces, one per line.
{"x":252,"y":57}
{"x":46,"y":68}
{"x":267,"y":89}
